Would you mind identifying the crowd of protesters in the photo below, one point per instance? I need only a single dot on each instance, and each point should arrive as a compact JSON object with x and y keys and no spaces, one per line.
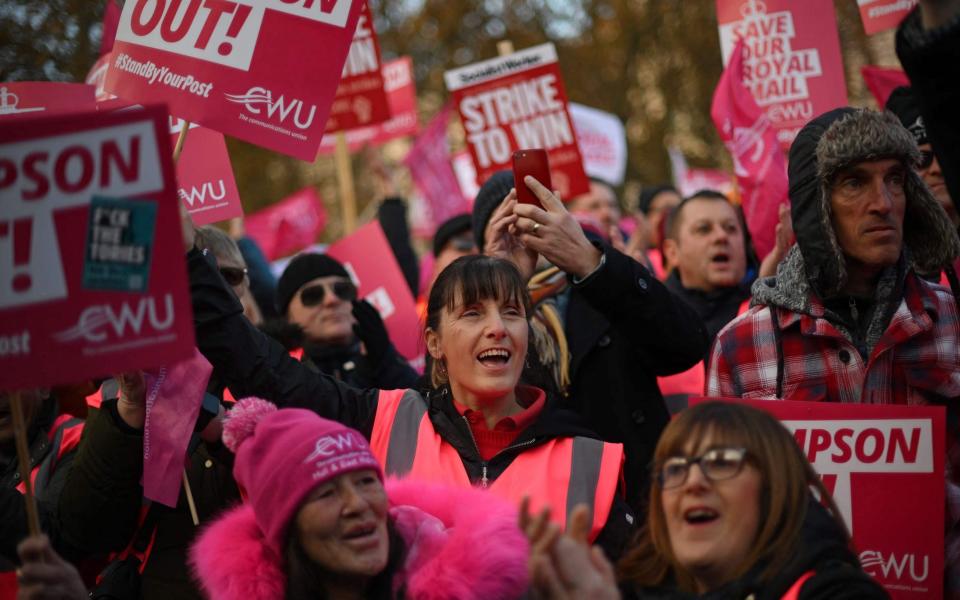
{"x":535,"y":456}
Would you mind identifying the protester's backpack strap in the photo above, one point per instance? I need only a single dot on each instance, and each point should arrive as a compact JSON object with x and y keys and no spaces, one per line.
{"x":794,"y":592}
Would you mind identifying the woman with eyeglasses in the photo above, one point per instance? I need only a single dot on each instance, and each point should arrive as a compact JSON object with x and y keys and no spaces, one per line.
{"x":733,"y":515}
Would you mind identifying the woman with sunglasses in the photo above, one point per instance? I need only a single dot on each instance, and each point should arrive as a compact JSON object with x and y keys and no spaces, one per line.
{"x":475,"y":426}
{"x":341,"y":336}
{"x":732,"y":515}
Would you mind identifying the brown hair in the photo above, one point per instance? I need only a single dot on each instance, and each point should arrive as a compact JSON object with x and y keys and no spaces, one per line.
{"x":470,"y":279}
{"x":786,"y":482}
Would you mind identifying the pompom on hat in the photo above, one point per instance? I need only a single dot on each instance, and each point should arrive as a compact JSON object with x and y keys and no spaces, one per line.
{"x":282,"y":455}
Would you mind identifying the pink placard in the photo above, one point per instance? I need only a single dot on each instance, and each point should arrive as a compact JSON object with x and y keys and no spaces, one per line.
{"x":289,"y":225}
{"x":792,"y":61}
{"x":367,"y":256}
{"x":265,"y":72}
{"x":92,"y":276}
{"x":401,"y":97}
{"x":884,"y":466}
{"x":517,"y":102}
{"x":205,"y":182}
{"x":881,"y":15}
{"x":27,"y":99}
{"x":881,"y":81}
{"x":361,"y":99}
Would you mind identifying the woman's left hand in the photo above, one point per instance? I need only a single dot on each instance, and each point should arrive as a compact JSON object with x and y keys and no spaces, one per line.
{"x":44,"y":575}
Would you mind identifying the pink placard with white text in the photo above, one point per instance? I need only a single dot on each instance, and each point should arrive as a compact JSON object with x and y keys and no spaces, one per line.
{"x":205,"y":182}
{"x":881,"y":15}
{"x":92,"y":276}
{"x":264,"y":71}
{"x":24,"y":99}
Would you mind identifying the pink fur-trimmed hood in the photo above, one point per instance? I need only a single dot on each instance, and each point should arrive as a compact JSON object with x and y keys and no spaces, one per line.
{"x":461,"y":544}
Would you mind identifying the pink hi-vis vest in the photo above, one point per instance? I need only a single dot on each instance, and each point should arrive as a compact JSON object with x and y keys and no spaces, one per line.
{"x":559,"y":474}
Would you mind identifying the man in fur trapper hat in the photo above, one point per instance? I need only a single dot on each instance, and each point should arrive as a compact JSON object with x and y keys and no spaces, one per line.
{"x":847,"y":318}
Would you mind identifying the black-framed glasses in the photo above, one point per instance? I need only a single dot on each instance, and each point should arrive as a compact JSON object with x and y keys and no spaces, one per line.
{"x":716,"y":464}
{"x":314,"y":295}
{"x":926,"y":159}
{"x":233,"y":275}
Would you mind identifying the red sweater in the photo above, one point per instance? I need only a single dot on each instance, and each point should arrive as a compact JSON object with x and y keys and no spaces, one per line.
{"x":492,"y":441}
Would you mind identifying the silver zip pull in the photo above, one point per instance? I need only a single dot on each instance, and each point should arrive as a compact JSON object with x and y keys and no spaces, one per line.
{"x":853,"y":311}
{"x":484,"y":482}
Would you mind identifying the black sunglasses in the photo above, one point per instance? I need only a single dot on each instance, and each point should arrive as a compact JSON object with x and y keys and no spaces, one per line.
{"x":926,"y":159}
{"x":233,"y":275}
{"x":315,"y":294}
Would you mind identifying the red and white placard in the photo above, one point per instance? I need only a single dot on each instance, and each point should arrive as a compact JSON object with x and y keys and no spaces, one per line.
{"x":881,"y":15}
{"x":289,"y":225}
{"x":792,"y":61}
{"x":205,"y":182}
{"x":78,"y":298}
{"x":40,"y":98}
{"x":265,"y":71}
{"x":516,"y":102}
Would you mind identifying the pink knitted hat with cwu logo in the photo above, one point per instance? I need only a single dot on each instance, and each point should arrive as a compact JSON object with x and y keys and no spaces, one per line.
{"x":282,"y":455}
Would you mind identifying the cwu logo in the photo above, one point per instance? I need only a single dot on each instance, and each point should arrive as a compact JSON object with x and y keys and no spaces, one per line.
{"x":876,"y":564}
{"x":259,"y":101}
{"x":99,"y":322}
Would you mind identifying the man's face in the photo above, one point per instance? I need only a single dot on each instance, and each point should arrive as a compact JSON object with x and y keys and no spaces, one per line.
{"x":868,"y":202}
{"x":708,"y":251}
{"x":933,"y":177}
{"x":660,"y":207}
{"x":600,"y":203}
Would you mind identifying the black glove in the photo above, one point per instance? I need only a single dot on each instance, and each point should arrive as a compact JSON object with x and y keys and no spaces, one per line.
{"x":371,"y":331}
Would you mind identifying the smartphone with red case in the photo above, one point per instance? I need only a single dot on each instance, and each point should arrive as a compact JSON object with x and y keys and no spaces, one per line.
{"x":532,"y":162}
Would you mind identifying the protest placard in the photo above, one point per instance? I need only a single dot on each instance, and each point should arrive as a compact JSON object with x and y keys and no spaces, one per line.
{"x":884,"y":466}
{"x":25,"y":99}
{"x":401,"y":92}
{"x":92,"y":280}
{"x":792,"y":61}
{"x":367,"y":257}
{"x":881,"y":15}
{"x":603,"y":143}
{"x":289,"y":225}
{"x":881,"y":81}
{"x":361,"y":99}
{"x":205,"y":182}
{"x":265,"y":72}
{"x":516,"y":102}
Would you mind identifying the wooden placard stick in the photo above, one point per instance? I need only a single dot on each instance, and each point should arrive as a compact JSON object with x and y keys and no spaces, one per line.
{"x":180,"y":140}
{"x":23,"y":456}
{"x":504,"y":47}
{"x":348,"y":198}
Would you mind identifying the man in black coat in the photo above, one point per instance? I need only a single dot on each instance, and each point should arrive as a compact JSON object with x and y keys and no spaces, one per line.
{"x":622,"y":326}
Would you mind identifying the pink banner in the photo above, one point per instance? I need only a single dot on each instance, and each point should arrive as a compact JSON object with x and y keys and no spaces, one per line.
{"x":402,"y":99}
{"x":792,"y":61}
{"x":361,"y":99}
{"x":111,"y":20}
{"x":759,"y":164}
{"x":516,"y":102}
{"x":881,"y":82}
{"x":367,"y":256}
{"x":174,"y":396}
{"x":884,"y":466}
{"x":92,"y":277}
{"x":205,"y":180}
{"x":429,"y":164}
{"x":40,"y":98}
{"x":265,"y":72}
{"x":881,"y":15}
{"x":289,"y":225}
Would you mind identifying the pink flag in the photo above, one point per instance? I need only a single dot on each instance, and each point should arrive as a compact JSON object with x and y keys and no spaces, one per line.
{"x":111,"y":19}
{"x":429,"y":164}
{"x":288,"y":226}
{"x":759,"y":164}
{"x":174,"y":396}
{"x":881,"y":81}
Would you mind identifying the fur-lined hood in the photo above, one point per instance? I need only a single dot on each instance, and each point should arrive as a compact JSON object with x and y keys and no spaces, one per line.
{"x":841,"y":138}
{"x":461,"y":544}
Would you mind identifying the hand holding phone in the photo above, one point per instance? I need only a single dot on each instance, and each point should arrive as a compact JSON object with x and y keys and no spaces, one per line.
{"x":533,"y":162}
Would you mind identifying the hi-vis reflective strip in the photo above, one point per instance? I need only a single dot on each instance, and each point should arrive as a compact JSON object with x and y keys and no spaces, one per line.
{"x":404,"y":434}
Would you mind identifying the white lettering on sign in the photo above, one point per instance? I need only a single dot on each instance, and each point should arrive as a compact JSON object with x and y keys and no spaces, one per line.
{"x":498,"y":67}
{"x":10,"y":104}
{"x":218,"y":31}
{"x":380,"y":299}
{"x":258,"y":100}
{"x":892,"y":566}
{"x":842,"y":447}
{"x":15,"y":344}
{"x":197,"y":197}
{"x":103,"y":322}
{"x":362,"y":57}
{"x":39,"y":177}
{"x":329,"y":445}
{"x":396,"y":74}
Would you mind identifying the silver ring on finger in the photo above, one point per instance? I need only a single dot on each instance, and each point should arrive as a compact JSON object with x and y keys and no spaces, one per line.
{"x":536,"y":227}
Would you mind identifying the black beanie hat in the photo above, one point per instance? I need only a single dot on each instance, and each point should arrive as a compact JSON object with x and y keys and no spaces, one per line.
{"x":304,"y":268}
{"x":450,"y":228}
{"x":648,"y":193}
{"x":490,"y":196}
{"x":903,"y":104}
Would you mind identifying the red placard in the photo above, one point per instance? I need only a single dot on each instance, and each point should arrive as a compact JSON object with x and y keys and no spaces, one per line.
{"x":205,"y":180}
{"x":39,"y":99}
{"x":881,"y":15}
{"x":516,"y":102}
{"x":402,"y":99}
{"x":92,"y":277}
{"x":881,"y":81}
{"x":792,"y":61}
{"x":884,"y":466}
{"x":289,"y":225}
{"x":367,"y":256}
{"x":361,"y":99}
{"x":265,"y":71}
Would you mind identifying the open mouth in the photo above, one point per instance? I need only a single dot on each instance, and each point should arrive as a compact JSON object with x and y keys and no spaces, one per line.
{"x":494,"y":357}
{"x":700,"y":516}
{"x":361,"y":533}
{"x":721,"y":258}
